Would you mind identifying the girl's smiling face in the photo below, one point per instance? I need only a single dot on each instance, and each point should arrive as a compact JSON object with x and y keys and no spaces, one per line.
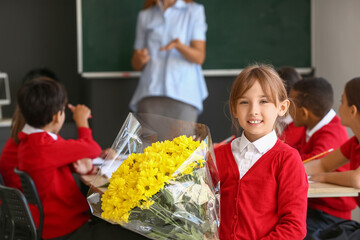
{"x":256,"y":114}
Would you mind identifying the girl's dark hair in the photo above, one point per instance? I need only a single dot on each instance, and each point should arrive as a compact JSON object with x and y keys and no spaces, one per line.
{"x":352,"y":90}
{"x":40,"y":99}
{"x":289,"y":76}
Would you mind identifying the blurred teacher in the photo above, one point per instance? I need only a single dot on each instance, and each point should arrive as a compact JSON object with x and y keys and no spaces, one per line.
{"x":170,"y":47}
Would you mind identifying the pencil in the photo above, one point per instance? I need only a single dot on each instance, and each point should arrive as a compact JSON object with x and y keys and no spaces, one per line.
{"x":318,"y":155}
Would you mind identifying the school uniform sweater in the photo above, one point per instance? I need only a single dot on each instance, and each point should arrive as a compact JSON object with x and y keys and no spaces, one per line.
{"x":269,"y":201}
{"x":8,"y":161}
{"x":292,"y":135}
{"x":47,"y":161}
{"x":351,"y":150}
{"x":332,"y":135}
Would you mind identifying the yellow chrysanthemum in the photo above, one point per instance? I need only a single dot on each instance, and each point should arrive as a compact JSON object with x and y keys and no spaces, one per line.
{"x":142,"y":175}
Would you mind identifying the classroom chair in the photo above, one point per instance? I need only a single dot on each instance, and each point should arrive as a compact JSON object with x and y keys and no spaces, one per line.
{"x":1,"y":180}
{"x":3,"y":225}
{"x":17,"y":215}
{"x":32,"y":196}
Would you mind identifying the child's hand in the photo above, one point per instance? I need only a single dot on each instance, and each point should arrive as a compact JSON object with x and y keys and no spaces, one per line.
{"x":84,"y":166}
{"x":320,"y":177}
{"x":108,"y":154}
{"x":81,"y":114}
{"x":104,"y":153}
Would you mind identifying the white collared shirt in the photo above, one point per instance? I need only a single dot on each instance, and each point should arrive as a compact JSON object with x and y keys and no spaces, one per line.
{"x":247,"y":153}
{"x":29,"y":130}
{"x":325,"y":120}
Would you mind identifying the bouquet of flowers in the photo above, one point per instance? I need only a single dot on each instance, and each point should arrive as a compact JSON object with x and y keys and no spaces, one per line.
{"x":167,"y":185}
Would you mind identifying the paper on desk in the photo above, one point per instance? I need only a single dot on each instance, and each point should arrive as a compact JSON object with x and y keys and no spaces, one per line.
{"x":98,"y":161}
{"x":309,"y":181}
{"x":110,"y":166}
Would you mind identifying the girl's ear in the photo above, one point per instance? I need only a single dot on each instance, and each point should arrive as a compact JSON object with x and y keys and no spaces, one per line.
{"x":284,"y":106}
{"x":353,"y":110}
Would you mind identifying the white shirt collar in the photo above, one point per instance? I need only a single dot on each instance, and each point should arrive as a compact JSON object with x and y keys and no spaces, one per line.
{"x":262,"y":145}
{"x":179,"y":4}
{"x":325,"y":120}
{"x":29,"y":130}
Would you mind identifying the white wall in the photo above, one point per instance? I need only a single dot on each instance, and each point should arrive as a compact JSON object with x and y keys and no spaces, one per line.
{"x":336,"y":45}
{"x":336,"y":42}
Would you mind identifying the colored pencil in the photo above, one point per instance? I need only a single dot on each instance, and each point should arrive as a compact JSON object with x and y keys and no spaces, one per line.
{"x":318,"y":155}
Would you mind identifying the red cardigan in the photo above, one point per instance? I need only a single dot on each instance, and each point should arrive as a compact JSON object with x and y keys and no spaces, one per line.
{"x":47,"y":162}
{"x":269,"y":202}
{"x":292,"y":135}
{"x":8,"y":161}
{"x":332,"y":135}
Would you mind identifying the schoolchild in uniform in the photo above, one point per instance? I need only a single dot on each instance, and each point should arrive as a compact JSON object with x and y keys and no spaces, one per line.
{"x":262,"y":180}
{"x":313,"y":98}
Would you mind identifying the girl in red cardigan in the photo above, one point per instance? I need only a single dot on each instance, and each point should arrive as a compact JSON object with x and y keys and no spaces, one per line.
{"x":321,"y":169}
{"x":262,"y":180}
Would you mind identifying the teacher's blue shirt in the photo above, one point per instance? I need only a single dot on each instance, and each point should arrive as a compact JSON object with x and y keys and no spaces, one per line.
{"x":168,"y":73}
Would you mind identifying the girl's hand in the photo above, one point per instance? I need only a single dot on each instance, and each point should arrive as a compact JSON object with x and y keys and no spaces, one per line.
{"x":320,"y":177}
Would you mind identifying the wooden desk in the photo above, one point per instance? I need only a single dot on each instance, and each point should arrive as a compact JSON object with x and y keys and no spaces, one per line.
{"x":316,"y":189}
{"x":99,"y":181}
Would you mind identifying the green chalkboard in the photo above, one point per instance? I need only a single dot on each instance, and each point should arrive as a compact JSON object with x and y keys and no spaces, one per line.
{"x":240,"y":32}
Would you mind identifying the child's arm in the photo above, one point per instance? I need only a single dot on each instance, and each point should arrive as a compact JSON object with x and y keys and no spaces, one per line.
{"x":349,"y":178}
{"x":81,"y":114}
{"x":75,"y":149}
{"x":327,"y":164}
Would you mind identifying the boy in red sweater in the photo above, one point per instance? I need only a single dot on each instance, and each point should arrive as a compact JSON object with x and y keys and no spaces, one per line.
{"x":313,"y":98}
{"x":48,"y":159}
{"x":8,"y":157}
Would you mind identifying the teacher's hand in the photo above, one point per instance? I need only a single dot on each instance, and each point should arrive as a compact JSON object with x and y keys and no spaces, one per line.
{"x":140,"y":58}
{"x":173,"y":44}
{"x":194,"y":53}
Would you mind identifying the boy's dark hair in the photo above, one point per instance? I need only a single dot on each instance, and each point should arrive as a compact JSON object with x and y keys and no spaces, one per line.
{"x":315,"y":94}
{"x":39,"y":72}
{"x":289,"y":76}
{"x":40,"y":99}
